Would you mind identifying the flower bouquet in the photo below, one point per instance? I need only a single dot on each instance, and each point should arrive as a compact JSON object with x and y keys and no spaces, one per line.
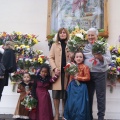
{"x":112,"y":76}
{"x":29,"y":102}
{"x":99,"y":47}
{"x":78,"y":39}
{"x":72,"y":69}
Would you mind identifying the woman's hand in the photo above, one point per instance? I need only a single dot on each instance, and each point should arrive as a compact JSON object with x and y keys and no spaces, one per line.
{"x":98,"y":56}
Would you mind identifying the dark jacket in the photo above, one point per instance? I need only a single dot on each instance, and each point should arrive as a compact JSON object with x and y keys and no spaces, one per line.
{"x":9,"y":61}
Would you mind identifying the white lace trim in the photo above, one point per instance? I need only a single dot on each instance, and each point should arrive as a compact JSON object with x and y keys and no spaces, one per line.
{"x":20,"y":116}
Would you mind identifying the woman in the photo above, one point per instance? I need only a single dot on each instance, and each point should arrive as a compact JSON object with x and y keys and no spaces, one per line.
{"x":9,"y":60}
{"x":98,"y":73}
{"x":58,"y":57}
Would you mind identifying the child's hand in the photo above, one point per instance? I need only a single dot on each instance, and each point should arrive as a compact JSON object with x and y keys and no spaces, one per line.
{"x":57,"y":71}
{"x":27,"y":92}
{"x":75,"y":76}
{"x":18,"y":90}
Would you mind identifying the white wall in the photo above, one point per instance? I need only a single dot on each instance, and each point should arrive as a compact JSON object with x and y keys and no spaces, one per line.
{"x":26,"y":16}
{"x":114,"y":21}
{"x":30,"y":16}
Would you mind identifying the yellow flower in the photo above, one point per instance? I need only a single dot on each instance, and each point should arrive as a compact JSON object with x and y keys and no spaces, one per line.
{"x":29,"y":36}
{"x":118,"y":60}
{"x":40,"y":60}
{"x":13,"y":82}
{"x":19,"y":37}
{"x":35,"y":40}
{"x":27,"y":46}
{"x":119,"y":50}
{"x":18,"y":33}
{"x":73,"y":33}
{"x":77,"y":30}
{"x":113,"y":68}
{"x":22,"y":46}
{"x":111,"y":47}
{"x":15,"y":46}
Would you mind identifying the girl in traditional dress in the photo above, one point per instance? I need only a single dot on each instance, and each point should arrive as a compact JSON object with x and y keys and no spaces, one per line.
{"x":40,"y":92}
{"x":21,"y":113}
{"x":77,"y":104}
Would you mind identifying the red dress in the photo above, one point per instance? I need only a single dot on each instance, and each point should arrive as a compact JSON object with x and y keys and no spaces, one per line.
{"x":44,"y":107}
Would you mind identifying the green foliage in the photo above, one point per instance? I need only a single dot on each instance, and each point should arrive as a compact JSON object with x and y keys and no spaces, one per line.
{"x":71,"y":68}
{"x":29,"y":102}
{"x":99,"y":47}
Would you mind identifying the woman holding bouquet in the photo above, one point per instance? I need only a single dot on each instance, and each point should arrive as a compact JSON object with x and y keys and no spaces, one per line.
{"x":98,"y":63}
{"x":58,"y":58}
{"x":77,"y":104}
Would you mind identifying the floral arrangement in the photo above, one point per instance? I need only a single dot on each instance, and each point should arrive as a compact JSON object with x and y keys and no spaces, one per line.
{"x":19,"y":38}
{"x":112,"y":76}
{"x":30,"y":63}
{"x":99,"y":47}
{"x":28,"y":59}
{"x":29,"y":102}
{"x":78,"y":39}
{"x":51,"y":39}
{"x":71,"y":68}
{"x":114,"y":67}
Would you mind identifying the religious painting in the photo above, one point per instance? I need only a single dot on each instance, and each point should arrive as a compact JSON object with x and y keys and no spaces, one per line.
{"x":85,"y":13}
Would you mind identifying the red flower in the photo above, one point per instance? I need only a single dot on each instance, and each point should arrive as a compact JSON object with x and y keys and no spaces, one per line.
{"x":94,"y":61}
{"x":67,"y":66}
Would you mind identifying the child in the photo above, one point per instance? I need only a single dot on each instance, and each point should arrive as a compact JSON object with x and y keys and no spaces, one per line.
{"x":40,"y":92}
{"x":77,"y":107}
{"x":23,"y":88}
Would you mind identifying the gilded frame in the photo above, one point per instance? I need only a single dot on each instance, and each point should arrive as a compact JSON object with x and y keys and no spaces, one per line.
{"x":103,"y":33}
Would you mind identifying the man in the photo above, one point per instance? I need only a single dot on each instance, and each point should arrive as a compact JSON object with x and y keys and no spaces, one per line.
{"x":98,"y":74}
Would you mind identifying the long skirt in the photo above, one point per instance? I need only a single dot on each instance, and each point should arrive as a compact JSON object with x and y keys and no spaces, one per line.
{"x":77,"y":103}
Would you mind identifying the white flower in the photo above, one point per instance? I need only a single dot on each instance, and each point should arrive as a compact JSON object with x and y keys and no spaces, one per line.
{"x":113,"y":61}
{"x":113,"y":56}
{"x":118,"y":73}
{"x":79,"y":35}
{"x":21,"y":59}
{"x":109,"y":67}
{"x":76,"y":27}
{"x":12,"y":74}
{"x":27,"y":59}
{"x":55,"y":37}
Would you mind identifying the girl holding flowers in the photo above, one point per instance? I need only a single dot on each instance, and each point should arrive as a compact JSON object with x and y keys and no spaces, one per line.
{"x":77,"y":104}
{"x":24,"y":88}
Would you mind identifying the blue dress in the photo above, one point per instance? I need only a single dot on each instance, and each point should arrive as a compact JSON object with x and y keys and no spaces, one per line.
{"x":77,"y":103}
